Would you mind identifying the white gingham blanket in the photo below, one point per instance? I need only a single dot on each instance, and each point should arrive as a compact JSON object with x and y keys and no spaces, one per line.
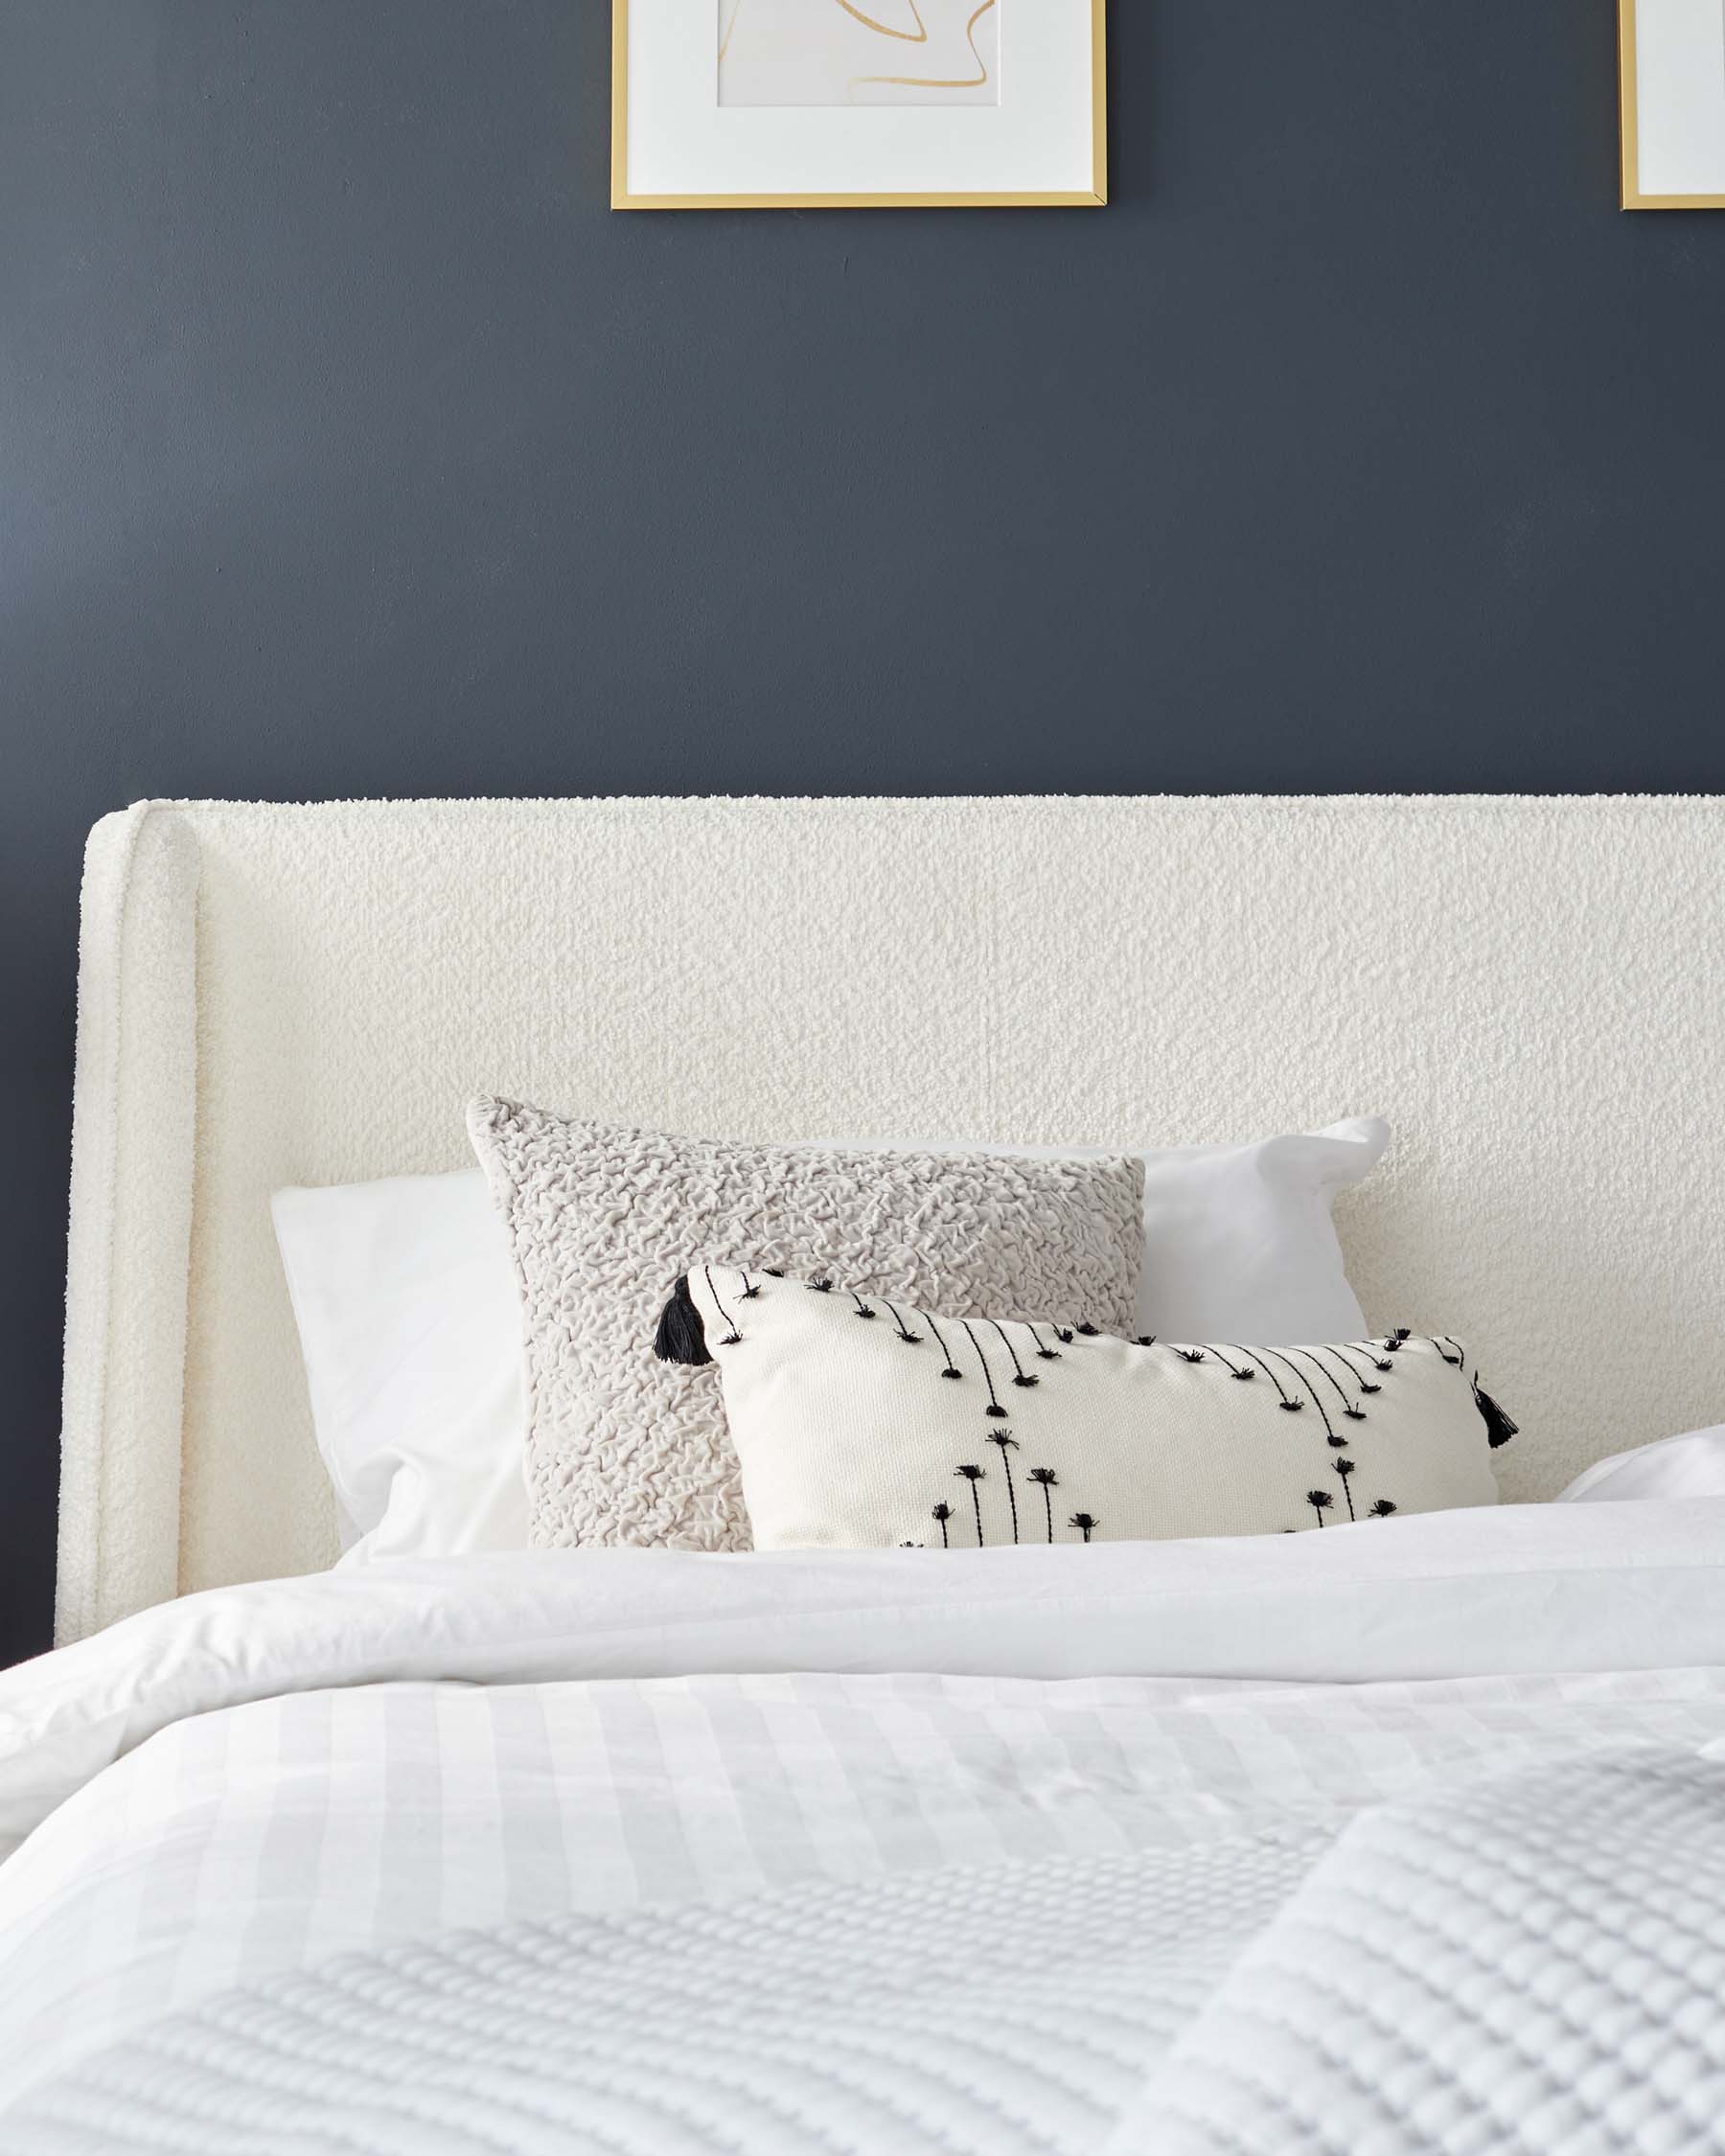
{"x":1525,"y":1964}
{"x":618,"y":1780}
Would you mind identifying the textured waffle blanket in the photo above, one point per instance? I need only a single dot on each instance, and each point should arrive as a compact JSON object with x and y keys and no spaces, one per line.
{"x":1370,"y":1841}
{"x":1533,"y":1963}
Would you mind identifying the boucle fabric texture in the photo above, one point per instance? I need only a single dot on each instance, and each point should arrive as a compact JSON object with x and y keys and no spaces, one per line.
{"x":1528,"y":989}
{"x":866,"y":1422}
{"x":602,"y":1218}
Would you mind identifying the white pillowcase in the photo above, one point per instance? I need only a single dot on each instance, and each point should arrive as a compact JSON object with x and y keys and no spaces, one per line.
{"x":411,"y":1331}
{"x":1238,"y":1239}
{"x":410,"y":1321}
{"x":1690,"y":1466}
{"x":862,"y":1422}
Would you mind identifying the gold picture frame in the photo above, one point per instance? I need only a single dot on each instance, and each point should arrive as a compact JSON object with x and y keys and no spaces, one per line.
{"x":1629,"y":95}
{"x":1095,"y":197}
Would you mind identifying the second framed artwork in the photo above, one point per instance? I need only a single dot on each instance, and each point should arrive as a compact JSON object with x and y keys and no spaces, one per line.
{"x":754,"y":104}
{"x":1673,"y":88}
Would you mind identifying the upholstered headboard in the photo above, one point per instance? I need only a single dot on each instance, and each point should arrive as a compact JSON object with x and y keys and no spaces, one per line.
{"x":1533,"y":991}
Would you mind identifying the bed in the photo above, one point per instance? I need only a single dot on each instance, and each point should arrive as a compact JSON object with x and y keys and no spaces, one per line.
{"x":1412,"y":1843}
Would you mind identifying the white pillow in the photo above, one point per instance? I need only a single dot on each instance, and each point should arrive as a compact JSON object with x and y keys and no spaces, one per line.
{"x":410,"y":1321}
{"x":1690,"y":1466}
{"x":410,"y":1326}
{"x":1238,"y":1239}
{"x":861,"y":1422}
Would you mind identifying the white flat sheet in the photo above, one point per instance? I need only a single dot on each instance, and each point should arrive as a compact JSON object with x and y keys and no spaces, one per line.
{"x":356,"y":1760}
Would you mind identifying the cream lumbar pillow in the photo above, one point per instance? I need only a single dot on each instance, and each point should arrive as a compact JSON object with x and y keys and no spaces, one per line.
{"x":599,"y":1218}
{"x":864,"y":1421}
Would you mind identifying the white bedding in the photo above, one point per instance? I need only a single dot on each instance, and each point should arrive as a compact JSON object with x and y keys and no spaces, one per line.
{"x":1530,"y":1962}
{"x":243,"y":1791}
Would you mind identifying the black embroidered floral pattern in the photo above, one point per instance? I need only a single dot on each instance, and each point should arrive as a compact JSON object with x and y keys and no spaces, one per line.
{"x":1335,"y":1379}
{"x":976,"y":1476}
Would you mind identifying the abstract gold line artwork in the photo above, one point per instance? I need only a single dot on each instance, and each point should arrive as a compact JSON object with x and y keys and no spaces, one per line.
{"x":917,"y":37}
{"x":853,"y":51}
{"x":976,"y":81}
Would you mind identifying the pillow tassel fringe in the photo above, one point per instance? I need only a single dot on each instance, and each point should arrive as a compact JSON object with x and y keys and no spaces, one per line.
{"x":681,"y":1335}
{"x":1499,"y":1428}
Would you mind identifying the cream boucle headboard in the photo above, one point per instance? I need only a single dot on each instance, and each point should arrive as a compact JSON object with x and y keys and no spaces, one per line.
{"x":1529,"y":988}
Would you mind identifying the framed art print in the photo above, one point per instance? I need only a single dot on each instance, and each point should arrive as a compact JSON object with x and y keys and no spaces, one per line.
{"x":1674,"y":91}
{"x":753,"y":104}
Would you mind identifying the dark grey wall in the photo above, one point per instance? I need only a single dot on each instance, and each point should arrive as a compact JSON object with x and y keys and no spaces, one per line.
{"x":350,"y":444}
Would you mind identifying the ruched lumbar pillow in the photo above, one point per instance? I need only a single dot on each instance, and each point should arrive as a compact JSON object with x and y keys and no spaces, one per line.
{"x":622,"y":1448}
{"x":864,"y":1421}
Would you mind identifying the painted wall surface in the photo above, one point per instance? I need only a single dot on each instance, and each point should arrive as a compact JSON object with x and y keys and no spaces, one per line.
{"x":350,"y":444}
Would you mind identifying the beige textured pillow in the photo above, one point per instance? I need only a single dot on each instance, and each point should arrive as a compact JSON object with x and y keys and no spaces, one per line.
{"x":602,"y":1220}
{"x":863,"y":1423}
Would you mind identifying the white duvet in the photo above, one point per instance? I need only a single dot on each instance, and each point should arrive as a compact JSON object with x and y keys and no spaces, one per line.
{"x":494,"y":1854}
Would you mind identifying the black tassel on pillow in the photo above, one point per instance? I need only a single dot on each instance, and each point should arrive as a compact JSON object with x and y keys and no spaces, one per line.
{"x":1499,"y":1428}
{"x":681,"y":1336}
